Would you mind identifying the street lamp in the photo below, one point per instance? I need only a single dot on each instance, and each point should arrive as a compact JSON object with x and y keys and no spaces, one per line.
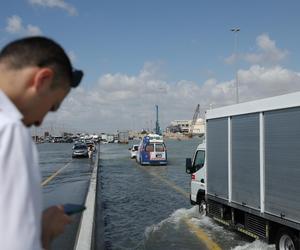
{"x":236,"y":30}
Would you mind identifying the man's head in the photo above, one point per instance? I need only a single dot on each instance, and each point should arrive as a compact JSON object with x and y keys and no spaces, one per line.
{"x":36,"y":74}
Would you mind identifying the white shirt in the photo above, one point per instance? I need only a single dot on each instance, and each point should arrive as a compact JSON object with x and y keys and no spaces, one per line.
{"x":20,"y":188}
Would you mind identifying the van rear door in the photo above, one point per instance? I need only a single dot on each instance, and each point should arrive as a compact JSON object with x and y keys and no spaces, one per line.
{"x":159,"y":152}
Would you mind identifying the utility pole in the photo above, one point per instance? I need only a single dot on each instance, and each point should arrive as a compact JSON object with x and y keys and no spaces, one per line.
{"x":236,"y":30}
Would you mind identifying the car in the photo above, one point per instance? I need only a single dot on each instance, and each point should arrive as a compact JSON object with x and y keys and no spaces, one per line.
{"x":133,"y":151}
{"x":78,"y":142}
{"x":80,"y":150}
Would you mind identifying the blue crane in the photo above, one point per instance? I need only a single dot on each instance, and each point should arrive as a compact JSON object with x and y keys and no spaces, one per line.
{"x":157,"y":127}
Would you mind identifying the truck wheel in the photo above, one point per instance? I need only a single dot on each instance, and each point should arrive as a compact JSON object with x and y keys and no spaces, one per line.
{"x":286,"y":240}
{"x":202,"y":208}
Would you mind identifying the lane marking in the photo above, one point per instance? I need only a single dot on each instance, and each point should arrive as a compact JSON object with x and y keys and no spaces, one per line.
{"x":166,"y":181}
{"x":199,"y":233}
{"x":45,"y":182}
{"x":171,"y":184}
{"x":202,"y":236}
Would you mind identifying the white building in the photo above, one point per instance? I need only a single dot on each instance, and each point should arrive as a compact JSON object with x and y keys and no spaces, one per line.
{"x":199,"y":127}
{"x":183,"y":124}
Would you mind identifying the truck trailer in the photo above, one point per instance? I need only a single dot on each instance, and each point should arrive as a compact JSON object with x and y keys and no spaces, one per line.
{"x":246,"y":175}
{"x":123,"y":137}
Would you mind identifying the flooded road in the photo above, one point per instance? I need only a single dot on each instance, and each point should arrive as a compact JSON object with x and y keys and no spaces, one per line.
{"x":147,"y":207}
{"x":68,"y":186}
{"x":139,"y":207}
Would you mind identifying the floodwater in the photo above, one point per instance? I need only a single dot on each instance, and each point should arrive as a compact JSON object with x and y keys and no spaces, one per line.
{"x":147,"y":207}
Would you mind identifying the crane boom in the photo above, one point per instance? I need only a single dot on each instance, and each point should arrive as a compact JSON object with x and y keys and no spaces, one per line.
{"x":197,"y":112}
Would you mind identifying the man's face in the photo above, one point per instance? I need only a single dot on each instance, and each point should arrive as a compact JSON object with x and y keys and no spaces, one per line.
{"x":45,"y":102}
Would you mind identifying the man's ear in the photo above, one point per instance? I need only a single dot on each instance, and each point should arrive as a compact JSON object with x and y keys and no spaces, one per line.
{"x":43,"y":79}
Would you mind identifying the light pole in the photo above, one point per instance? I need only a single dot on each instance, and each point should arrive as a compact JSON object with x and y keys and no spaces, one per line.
{"x":236,"y":30}
{"x":160,"y":91}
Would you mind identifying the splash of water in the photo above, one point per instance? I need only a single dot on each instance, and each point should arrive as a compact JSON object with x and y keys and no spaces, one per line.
{"x":225,"y":238}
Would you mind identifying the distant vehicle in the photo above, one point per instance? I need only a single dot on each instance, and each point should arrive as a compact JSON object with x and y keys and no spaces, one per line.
{"x":152,"y":151}
{"x":79,"y":142}
{"x":68,"y":140}
{"x":133,"y":151}
{"x":123,"y":137}
{"x":80,"y":150}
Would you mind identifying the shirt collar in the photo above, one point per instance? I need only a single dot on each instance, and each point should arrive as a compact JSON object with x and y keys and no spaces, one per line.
{"x":9,"y":108}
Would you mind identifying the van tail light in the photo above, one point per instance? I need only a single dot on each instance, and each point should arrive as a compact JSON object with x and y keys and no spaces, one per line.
{"x":193,"y":176}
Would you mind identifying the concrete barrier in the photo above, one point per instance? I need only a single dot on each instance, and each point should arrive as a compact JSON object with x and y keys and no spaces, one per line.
{"x":86,"y":227}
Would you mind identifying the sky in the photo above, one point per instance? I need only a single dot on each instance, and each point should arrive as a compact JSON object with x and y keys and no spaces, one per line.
{"x":173,"y":53}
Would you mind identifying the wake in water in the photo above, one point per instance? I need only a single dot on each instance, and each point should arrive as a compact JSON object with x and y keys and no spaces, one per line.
{"x":174,"y":220}
{"x":173,"y":232}
{"x":257,"y":245}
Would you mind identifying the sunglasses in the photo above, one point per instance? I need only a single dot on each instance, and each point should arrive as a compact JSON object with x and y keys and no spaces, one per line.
{"x":76,"y":77}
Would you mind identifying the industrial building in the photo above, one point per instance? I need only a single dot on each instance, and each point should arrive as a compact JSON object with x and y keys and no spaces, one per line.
{"x":185,"y":127}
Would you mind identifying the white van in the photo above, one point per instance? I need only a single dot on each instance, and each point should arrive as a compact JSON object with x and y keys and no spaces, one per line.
{"x":197,"y":167}
{"x":152,"y":151}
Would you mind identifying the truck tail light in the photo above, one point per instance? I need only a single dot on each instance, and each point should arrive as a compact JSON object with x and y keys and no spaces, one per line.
{"x":193,"y":176}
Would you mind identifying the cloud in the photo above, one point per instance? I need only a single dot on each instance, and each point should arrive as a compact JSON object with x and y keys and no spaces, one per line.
{"x":32,"y":30}
{"x":15,"y":26}
{"x":259,"y":82}
{"x":72,"y":56}
{"x":267,"y":53}
{"x":56,"y":4}
{"x":231,"y":59}
{"x":120,"y":101}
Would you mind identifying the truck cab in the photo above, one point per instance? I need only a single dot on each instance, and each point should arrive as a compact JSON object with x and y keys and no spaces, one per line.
{"x":196,"y":167}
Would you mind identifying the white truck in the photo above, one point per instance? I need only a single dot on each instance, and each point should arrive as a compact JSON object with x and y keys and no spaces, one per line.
{"x":246,"y":175}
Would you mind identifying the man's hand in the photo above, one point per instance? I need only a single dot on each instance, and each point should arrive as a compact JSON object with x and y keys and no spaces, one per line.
{"x":54,"y":221}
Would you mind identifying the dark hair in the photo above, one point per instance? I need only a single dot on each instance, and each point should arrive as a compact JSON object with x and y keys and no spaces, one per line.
{"x":41,"y":52}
